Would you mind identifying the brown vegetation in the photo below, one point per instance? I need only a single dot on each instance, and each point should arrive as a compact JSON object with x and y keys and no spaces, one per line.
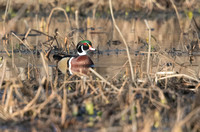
{"x":156,"y":90}
{"x":84,"y":6}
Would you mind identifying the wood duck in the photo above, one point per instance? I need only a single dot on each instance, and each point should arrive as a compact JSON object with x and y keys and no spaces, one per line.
{"x":79,"y":63}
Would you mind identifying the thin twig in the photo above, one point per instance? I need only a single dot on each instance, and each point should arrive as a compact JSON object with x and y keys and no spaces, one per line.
{"x":177,"y":14}
{"x":21,"y":41}
{"x":50,"y":15}
{"x":42,"y":105}
{"x":13,"y":21}
{"x":149,"y":50}
{"x":9,"y":98}
{"x":179,"y":125}
{"x":5,"y":16}
{"x":3,"y":72}
{"x":77,"y":26}
{"x":179,"y":75}
{"x":127,"y":49}
{"x":97,"y":74}
{"x":64,"y":106}
{"x":27,"y":107}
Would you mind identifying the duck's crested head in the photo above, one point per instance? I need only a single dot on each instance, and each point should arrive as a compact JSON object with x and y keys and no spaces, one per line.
{"x":84,"y":46}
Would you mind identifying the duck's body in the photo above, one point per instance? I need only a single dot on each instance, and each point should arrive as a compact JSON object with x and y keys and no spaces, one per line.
{"x":80,"y":63}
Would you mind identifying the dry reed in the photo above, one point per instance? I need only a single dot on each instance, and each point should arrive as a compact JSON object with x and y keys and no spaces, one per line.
{"x":127,"y":49}
{"x":95,"y":102}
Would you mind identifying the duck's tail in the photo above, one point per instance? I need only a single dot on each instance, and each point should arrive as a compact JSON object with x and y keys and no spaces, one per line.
{"x":57,"y":57}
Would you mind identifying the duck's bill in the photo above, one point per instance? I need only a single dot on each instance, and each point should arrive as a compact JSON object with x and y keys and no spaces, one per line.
{"x":90,"y":48}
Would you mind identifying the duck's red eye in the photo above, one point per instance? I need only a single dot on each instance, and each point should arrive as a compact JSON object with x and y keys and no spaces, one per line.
{"x":85,"y":44}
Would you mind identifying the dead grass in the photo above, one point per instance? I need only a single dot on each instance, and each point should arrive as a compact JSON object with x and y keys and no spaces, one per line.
{"x":162,"y":98}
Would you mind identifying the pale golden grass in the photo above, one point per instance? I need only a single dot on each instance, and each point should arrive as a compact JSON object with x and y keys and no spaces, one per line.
{"x":58,"y":102}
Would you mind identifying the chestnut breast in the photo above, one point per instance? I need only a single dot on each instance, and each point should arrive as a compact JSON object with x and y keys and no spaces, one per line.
{"x":81,"y":61}
{"x":81,"y":64}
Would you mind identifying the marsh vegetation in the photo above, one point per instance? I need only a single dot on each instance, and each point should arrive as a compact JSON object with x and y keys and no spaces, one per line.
{"x":146,"y":73}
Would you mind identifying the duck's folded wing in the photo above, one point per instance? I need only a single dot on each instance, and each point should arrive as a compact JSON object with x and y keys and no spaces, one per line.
{"x":59,"y":57}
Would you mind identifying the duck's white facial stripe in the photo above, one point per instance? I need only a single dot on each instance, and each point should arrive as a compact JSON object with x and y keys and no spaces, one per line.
{"x":70,"y":70}
{"x":83,"y":51}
